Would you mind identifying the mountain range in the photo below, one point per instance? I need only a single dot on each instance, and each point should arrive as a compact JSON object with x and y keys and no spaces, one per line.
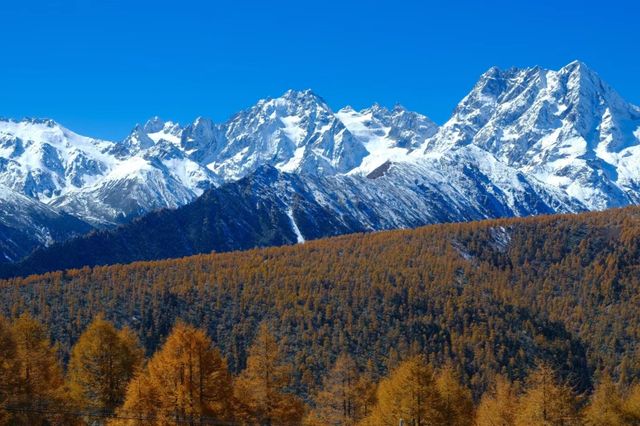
{"x":522,"y":142}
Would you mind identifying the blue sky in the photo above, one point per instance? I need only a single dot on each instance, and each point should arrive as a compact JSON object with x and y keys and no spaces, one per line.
{"x":99,"y":67}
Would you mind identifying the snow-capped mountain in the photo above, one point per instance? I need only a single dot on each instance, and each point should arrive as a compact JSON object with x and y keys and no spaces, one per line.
{"x":43,"y":160}
{"x":396,"y":127}
{"x":297,"y":133}
{"x":99,"y":181}
{"x":566,"y":128}
{"x":27,"y":224}
{"x":523,"y":141}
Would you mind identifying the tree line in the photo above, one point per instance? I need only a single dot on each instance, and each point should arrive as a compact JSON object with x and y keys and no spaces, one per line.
{"x":109,"y":381}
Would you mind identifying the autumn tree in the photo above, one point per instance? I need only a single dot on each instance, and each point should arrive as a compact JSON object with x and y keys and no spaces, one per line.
{"x":186,"y":381}
{"x":338,"y":403}
{"x":498,"y":405}
{"x":631,"y":405}
{"x":365,"y":392}
{"x":40,"y":383}
{"x":546,"y":401}
{"x":408,"y":394}
{"x":8,"y":365}
{"x":605,"y":406}
{"x":102,"y":362}
{"x":261,"y":387}
{"x":455,"y":398}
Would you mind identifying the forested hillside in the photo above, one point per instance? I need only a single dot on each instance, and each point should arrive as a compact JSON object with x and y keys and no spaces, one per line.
{"x":491,"y":297}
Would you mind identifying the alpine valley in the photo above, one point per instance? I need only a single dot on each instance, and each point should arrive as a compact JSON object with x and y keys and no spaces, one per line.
{"x":522,"y":142}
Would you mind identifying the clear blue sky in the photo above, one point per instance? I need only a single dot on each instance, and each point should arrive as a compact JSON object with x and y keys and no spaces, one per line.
{"x":99,"y":67}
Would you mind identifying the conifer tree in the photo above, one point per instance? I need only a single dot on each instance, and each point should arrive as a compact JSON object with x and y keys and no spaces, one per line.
{"x":408,"y":394}
{"x":498,"y":405}
{"x":365,"y":393}
{"x":605,"y":406}
{"x":456,"y":402}
{"x":8,"y":366}
{"x":338,"y":402}
{"x":546,"y":401}
{"x":102,"y":363}
{"x":141,"y":405}
{"x":631,"y":405}
{"x":186,"y":381}
{"x":40,"y":387}
{"x":261,"y":387}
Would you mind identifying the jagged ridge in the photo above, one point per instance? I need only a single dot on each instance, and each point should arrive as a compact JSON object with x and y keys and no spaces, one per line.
{"x":524,"y":141}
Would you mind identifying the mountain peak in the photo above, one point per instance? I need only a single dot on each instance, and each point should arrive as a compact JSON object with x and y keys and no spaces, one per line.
{"x":376,"y":108}
{"x":293,"y":93}
{"x":200,"y":121}
{"x":581,"y":74}
{"x":547,"y":123}
{"x":48,"y":122}
{"x":581,"y":71}
{"x":289,"y":102}
{"x":153,"y":125}
{"x":494,"y":71}
{"x":380,"y":110}
{"x":303,"y":97}
{"x":576,"y":64}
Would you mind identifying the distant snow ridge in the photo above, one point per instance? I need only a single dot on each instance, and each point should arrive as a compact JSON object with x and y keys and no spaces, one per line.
{"x":523,"y":141}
